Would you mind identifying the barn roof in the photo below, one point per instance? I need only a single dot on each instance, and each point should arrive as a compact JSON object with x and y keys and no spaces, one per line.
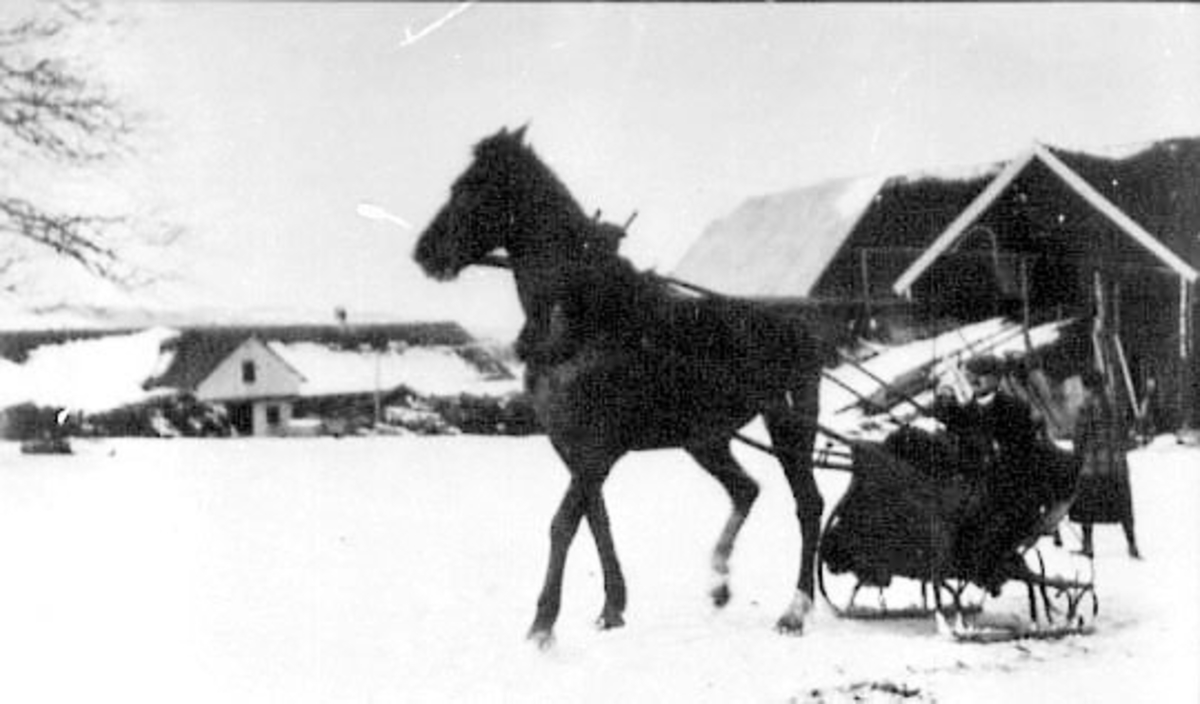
{"x":803,"y":244}
{"x":778,"y":245}
{"x":1005,"y":180}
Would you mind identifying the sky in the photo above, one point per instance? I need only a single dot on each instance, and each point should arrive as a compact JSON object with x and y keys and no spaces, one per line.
{"x":269,"y":122}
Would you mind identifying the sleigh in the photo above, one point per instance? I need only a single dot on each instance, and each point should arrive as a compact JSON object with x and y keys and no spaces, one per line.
{"x":915,"y":524}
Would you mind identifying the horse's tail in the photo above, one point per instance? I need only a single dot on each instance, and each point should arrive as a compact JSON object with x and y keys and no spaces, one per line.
{"x":793,"y":367}
{"x":803,"y":360}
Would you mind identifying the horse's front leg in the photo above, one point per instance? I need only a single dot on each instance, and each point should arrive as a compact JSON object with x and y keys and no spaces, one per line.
{"x":613,"y":614}
{"x":584,"y":497}
{"x":562,"y":531}
{"x":590,"y":468}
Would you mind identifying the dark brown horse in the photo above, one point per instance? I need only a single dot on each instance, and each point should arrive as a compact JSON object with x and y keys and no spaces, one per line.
{"x":619,"y":362}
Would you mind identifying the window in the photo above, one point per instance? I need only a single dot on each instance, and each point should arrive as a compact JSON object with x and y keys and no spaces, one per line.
{"x":249,"y":373}
{"x":272,"y":415}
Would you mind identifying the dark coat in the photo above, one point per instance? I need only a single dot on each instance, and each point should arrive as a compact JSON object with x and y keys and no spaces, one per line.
{"x":1104,"y":491}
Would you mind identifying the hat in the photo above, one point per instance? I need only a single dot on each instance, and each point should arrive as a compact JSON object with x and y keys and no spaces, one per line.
{"x":985,"y":365}
{"x":1092,"y":379}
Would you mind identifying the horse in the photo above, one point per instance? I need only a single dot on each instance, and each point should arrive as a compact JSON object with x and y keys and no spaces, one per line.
{"x":618,"y":362}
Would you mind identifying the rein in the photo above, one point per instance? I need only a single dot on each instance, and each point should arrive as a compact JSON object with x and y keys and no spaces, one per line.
{"x":500,"y":261}
{"x":496,"y":261}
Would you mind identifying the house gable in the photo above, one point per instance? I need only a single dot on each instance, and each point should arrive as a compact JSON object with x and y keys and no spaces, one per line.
{"x":251,"y":370}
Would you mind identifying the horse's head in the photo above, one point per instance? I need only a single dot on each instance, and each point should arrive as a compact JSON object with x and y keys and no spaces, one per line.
{"x":480,"y":216}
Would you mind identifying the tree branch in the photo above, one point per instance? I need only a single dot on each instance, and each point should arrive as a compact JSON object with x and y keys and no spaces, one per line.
{"x":86,"y":239}
{"x":55,"y":113}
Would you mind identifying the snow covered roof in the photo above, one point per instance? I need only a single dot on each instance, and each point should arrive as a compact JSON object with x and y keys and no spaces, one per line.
{"x":199,"y":350}
{"x":88,"y":375}
{"x":97,"y":373}
{"x":778,"y":245}
{"x":429,"y":371}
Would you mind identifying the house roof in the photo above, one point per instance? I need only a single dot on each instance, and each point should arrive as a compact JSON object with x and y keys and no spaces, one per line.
{"x":198,"y":351}
{"x":194,"y":355}
{"x":428,"y":371}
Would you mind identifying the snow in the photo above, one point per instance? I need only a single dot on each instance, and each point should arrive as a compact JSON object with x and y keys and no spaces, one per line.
{"x":853,"y":200}
{"x":938,"y":356}
{"x":99,"y":374}
{"x":429,"y":371}
{"x":85,"y":375}
{"x":406,"y":569}
{"x":954,"y":172}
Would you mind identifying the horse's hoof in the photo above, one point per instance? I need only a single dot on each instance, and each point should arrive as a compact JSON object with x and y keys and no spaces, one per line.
{"x":792,"y":621}
{"x":543,"y":638}
{"x":607,"y":622}
{"x":721,"y":595}
{"x":790,"y":626}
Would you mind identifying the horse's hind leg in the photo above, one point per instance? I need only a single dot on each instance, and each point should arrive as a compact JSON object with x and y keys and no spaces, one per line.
{"x":792,"y":424}
{"x":718,"y":461}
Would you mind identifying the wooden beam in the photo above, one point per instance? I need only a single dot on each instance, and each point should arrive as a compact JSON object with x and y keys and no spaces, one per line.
{"x":1075,"y":182}
{"x":964,"y":220}
{"x":1113,"y":213}
{"x":1125,"y":375}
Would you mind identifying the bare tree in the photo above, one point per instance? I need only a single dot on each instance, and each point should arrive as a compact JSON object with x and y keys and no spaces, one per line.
{"x":57,"y":116}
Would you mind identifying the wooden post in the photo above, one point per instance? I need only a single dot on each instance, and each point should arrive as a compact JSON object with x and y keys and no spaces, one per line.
{"x":1116,"y":307}
{"x":864,"y":273}
{"x":1100,"y":333}
{"x":1098,"y":320}
{"x":1125,"y":375}
{"x":1023,"y":266}
{"x":1184,"y":393}
{"x":1023,"y":263}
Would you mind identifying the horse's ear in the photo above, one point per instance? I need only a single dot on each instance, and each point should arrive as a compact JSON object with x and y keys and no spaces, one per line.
{"x":519,"y":135}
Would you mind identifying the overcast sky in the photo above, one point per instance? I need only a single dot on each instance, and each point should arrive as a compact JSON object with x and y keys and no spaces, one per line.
{"x":271,"y":121}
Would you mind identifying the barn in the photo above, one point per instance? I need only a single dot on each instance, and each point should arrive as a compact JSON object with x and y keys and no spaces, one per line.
{"x":1049,"y":233}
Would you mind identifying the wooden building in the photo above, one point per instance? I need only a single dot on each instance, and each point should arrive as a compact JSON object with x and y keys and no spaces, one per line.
{"x":1049,"y":233}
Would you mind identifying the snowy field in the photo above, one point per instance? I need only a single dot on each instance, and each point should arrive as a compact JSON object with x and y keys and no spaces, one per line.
{"x":406,"y":569}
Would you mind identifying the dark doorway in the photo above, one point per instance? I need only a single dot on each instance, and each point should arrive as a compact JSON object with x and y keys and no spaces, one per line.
{"x":241,"y":417}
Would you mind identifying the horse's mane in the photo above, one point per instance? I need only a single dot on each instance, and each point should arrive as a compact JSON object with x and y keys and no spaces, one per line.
{"x":588,"y":245}
{"x":507,"y":153}
{"x":608,"y":302}
{"x":603,"y":298}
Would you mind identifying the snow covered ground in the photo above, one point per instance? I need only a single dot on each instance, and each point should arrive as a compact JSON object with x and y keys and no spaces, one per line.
{"x":405,"y":570}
